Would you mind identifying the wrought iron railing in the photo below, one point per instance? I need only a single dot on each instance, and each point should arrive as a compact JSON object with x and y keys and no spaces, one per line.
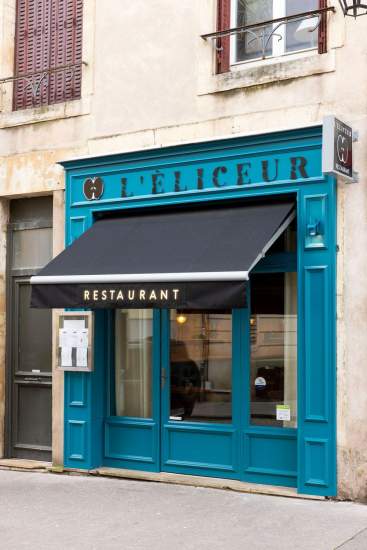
{"x":35,"y":79}
{"x":264,"y":32}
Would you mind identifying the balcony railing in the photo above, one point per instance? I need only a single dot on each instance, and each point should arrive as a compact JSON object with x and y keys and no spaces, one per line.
{"x":264,"y":32}
{"x":34,"y":80}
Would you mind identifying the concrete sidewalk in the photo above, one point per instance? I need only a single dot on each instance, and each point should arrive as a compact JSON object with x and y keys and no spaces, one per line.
{"x":66,"y":512}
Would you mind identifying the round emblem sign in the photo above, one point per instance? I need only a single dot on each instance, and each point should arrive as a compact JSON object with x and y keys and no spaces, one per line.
{"x":342,"y":148}
{"x":93,"y":188}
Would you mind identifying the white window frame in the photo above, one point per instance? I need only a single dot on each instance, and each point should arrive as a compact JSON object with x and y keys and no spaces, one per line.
{"x":278,"y":46}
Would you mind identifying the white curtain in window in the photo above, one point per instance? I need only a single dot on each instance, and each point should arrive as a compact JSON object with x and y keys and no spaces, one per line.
{"x":290,"y":346}
{"x":133,"y":363}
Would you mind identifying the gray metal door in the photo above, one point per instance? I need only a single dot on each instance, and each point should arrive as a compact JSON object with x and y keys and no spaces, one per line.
{"x":29,"y":333}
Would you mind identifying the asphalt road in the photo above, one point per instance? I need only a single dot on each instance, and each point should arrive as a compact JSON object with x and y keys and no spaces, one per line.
{"x":62,"y":512}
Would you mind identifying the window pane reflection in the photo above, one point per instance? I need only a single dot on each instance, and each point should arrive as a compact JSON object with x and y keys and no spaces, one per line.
{"x":34,"y":325}
{"x":285,"y":38}
{"x":250,"y":12}
{"x":133,"y":366}
{"x":32,"y":248}
{"x":201,"y":367}
{"x":293,"y":43}
{"x":273,"y":330}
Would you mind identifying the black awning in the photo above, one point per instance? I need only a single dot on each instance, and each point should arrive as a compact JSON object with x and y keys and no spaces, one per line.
{"x":181,"y":259}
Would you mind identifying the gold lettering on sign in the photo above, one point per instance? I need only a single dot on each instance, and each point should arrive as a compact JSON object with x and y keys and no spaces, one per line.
{"x":164,"y":294}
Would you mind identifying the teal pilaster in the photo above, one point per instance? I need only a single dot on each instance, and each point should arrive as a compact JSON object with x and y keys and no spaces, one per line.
{"x":317,"y":353}
{"x":85,"y":406}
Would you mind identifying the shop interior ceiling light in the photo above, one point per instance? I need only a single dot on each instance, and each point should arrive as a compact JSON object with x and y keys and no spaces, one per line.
{"x":181,"y":319}
{"x":353,"y":8}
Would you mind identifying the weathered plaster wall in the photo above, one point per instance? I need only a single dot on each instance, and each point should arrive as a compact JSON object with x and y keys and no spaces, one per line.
{"x":352,"y":345}
{"x":150,"y":82}
{"x":57,"y":376}
{"x":4,"y":214}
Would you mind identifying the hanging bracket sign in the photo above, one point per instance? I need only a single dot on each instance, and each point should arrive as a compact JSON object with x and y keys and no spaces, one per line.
{"x":337,"y":149}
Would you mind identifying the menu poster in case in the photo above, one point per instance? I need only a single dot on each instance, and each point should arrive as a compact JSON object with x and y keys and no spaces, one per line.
{"x":75,"y":341}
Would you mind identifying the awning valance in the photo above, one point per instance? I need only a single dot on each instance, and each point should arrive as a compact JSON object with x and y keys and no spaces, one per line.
{"x":181,"y":259}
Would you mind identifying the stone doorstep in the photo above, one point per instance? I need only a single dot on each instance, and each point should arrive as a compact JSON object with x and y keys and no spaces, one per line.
{"x":194,"y":481}
{"x":22,"y":464}
{"x":19,"y":464}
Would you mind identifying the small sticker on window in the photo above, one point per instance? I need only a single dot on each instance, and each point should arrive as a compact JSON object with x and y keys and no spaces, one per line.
{"x":283,"y":412}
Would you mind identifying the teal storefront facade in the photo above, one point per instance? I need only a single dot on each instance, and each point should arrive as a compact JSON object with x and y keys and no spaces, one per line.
{"x":250,"y":444}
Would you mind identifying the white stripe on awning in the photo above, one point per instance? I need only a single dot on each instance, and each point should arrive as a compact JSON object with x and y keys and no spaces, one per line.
{"x":142,"y":278}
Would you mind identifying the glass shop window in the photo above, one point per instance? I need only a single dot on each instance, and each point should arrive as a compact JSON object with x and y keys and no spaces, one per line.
{"x":133,"y":362}
{"x":273,"y":336}
{"x":272,"y":40}
{"x":201,"y":367}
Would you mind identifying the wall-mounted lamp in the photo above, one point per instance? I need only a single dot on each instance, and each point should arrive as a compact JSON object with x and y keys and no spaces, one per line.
{"x":353,"y":8}
{"x":314,"y":229}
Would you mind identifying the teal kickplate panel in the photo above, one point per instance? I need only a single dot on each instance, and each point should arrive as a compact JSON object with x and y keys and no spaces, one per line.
{"x":264,"y":167}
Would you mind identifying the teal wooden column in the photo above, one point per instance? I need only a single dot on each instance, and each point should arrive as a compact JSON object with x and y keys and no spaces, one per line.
{"x":85,"y":392}
{"x":317,"y":361}
{"x":85,"y":405}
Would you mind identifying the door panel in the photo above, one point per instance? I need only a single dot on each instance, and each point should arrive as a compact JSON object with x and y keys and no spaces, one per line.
{"x":31,"y":433}
{"x":132,"y":428}
{"x":199,"y":423}
{"x":32,"y":248}
{"x":29,"y":333}
{"x":32,"y":424}
{"x":269,"y":444}
{"x":34,"y":334}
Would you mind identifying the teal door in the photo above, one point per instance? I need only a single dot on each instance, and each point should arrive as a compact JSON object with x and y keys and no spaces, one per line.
{"x":178,"y":391}
{"x":203,"y":389}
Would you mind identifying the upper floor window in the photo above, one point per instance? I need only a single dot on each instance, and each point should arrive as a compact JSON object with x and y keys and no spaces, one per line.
{"x":284,"y":40}
{"x":277,"y":37}
{"x":48,"y":52}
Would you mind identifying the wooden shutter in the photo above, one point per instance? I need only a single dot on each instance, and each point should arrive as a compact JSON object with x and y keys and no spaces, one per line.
{"x":21,"y":33}
{"x":48,"y":35}
{"x":66,"y":49}
{"x":323,"y":28}
{"x":31,"y":51}
{"x":224,"y":21}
